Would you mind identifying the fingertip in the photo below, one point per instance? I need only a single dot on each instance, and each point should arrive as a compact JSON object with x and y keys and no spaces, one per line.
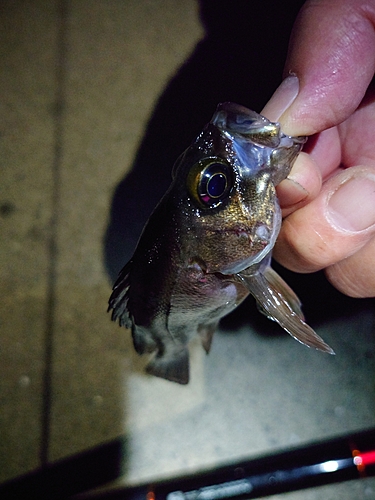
{"x":351,"y":204}
{"x":282,"y":98}
{"x":301,"y":186}
{"x":292,"y":247}
{"x":327,"y":39}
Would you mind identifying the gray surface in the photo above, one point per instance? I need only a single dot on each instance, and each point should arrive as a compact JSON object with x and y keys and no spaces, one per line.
{"x":254,"y":393}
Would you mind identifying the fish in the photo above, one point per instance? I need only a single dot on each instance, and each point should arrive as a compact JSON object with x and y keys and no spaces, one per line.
{"x":208,"y":244}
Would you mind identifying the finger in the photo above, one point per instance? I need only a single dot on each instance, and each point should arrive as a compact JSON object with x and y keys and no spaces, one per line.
{"x":355,"y":275}
{"x":325,"y":150}
{"x":335,"y":225}
{"x":301,"y":186}
{"x":357,"y":134}
{"x":304,"y":180}
{"x":332,"y":52}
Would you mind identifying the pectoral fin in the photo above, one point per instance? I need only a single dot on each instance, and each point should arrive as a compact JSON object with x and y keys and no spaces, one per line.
{"x":279,"y":303}
{"x":284,"y":289}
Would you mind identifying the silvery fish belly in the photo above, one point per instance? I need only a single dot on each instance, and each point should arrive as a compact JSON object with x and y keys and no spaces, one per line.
{"x":208,"y":244}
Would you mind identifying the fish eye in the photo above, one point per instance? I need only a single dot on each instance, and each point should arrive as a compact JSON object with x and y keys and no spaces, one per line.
{"x":210,"y":181}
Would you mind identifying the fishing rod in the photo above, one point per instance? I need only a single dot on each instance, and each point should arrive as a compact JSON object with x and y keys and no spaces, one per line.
{"x":331,"y":461}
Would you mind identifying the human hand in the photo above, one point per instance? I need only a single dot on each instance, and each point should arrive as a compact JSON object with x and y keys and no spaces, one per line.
{"x":329,"y":197}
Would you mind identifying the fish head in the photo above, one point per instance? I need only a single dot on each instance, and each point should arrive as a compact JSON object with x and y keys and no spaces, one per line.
{"x":224,"y":185}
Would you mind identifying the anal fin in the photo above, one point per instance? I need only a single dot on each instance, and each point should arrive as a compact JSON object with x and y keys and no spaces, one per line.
{"x":142,"y":340}
{"x":173,"y":366}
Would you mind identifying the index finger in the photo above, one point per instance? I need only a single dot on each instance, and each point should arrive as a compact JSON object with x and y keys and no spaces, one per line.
{"x":332,"y":52}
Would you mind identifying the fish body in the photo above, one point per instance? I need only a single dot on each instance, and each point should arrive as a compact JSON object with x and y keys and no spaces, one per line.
{"x":208,"y":244}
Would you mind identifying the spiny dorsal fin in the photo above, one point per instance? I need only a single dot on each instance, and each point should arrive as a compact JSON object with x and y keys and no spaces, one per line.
{"x":118,"y":301}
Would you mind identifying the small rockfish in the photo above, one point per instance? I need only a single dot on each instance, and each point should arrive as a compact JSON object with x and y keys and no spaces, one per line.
{"x":208,"y":244}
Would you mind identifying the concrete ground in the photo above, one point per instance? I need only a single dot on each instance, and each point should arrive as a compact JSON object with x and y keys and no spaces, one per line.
{"x":90,"y":90}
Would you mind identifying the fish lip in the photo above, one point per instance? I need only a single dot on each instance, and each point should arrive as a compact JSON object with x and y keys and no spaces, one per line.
{"x":253,"y":259}
{"x":247,"y":263}
{"x":241,"y":232}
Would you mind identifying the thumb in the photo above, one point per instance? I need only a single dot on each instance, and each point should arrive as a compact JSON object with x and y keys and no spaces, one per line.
{"x":332,"y":54}
{"x":337,"y":224}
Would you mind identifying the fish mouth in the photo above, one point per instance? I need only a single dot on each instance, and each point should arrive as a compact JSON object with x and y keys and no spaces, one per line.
{"x":260,"y":235}
{"x":256,"y":244}
{"x":252,"y":260}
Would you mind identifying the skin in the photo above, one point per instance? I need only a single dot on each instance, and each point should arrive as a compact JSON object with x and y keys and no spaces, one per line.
{"x":329,"y":198}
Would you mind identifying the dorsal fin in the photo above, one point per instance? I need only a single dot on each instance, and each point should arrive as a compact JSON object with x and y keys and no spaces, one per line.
{"x":118,"y":300}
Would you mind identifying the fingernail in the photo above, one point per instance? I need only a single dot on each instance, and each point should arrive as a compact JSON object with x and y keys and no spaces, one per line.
{"x":282,"y":98}
{"x":352,"y":206}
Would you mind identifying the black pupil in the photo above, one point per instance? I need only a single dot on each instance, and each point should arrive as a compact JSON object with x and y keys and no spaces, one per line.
{"x":214,"y":181}
{"x":216,"y":185}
